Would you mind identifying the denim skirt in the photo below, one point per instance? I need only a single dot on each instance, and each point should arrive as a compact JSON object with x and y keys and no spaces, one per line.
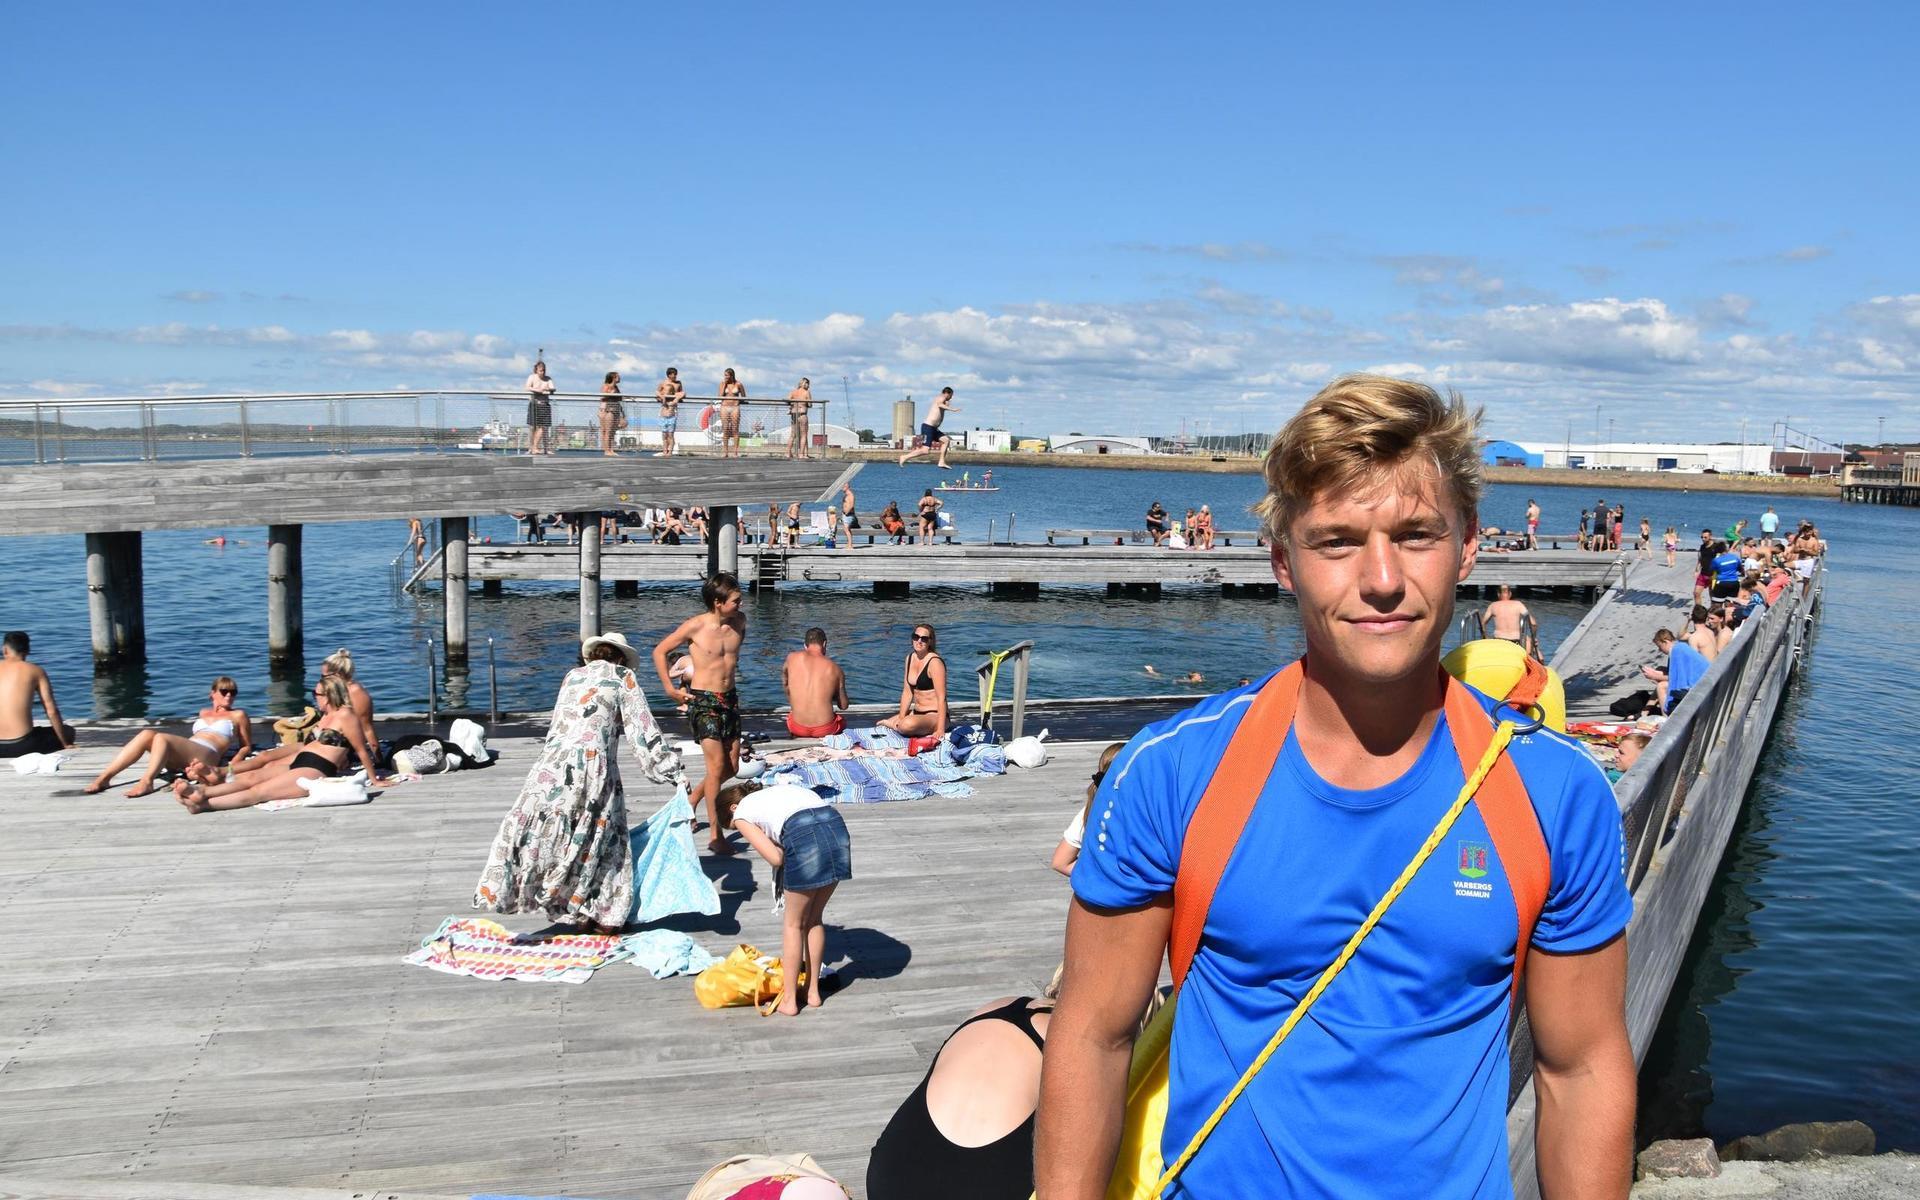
{"x":815,"y":850}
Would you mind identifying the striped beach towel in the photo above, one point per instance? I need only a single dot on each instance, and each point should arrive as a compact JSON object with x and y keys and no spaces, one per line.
{"x":483,"y":949}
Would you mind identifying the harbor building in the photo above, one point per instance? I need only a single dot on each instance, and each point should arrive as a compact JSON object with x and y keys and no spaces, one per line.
{"x":1751,"y":458}
{"x":992,"y":441}
{"x":1075,"y":443}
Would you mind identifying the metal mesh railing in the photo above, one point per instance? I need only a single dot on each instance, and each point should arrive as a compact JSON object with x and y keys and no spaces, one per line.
{"x":152,"y":428}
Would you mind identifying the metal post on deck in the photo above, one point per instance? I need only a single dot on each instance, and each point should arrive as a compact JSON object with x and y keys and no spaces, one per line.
{"x":453,"y":586}
{"x":116,"y":601}
{"x":285,"y":633}
{"x":589,"y":575}
{"x":246,"y":433}
{"x":433,"y":690}
{"x":493,"y":688}
{"x":39,"y":444}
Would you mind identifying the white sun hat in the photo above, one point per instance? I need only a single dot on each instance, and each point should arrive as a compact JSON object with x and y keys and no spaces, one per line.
{"x":616,"y":640}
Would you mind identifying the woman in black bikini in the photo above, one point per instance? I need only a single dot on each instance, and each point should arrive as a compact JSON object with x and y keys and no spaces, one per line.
{"x":341,"y":733}
{"x":923,"y":697}
{"x":929,"y":517}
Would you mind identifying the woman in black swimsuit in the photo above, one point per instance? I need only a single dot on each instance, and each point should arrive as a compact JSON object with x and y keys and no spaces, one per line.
{"x":923,"y":696}
{"x":966,"y":1133}
{"x":341,"y":733}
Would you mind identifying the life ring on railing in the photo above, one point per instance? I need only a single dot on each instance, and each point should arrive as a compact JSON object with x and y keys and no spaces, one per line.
{"x":706,"y":415}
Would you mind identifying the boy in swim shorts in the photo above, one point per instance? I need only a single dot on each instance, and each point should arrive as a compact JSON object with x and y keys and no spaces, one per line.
{"x":713,"y":640}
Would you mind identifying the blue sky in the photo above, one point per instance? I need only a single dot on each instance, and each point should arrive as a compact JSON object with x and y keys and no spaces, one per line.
{"x":1077,"y":215}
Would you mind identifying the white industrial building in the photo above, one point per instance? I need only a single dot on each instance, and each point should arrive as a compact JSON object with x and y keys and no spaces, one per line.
{"x":993,"y":441}
{"x":836,"y":435}
{"x":1075,"y":443}
{"x":1754,"y":458}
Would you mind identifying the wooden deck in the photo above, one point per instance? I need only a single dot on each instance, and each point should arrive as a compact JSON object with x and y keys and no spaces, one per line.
{"x":1600,"y":660}
{"x":1026,"y":564}
{"x":220,"y":1000}
{"x":121,"y":497}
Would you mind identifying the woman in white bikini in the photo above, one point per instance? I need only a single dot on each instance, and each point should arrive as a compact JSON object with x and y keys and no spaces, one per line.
{"x":340,"y":735}
{"x":218,"y":728}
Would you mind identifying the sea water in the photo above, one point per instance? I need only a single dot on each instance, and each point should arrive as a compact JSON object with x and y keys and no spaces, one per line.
{"x":1797,"y":998}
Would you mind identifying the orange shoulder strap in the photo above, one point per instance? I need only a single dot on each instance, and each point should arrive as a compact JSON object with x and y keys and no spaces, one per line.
{"x":1508,"y":812}
{"x":1214,"y":829}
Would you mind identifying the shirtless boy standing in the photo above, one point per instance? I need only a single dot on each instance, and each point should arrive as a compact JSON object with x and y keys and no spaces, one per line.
{"x":713,"y":706}
{"x":20,"y":682}
{"x":816,"y":689}
{"x":670,"y":392}
{"x":1508,"y":619}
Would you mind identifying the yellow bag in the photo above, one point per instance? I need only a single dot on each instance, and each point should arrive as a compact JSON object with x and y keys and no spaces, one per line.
{"x":744,"y":977}
{"x":1139,"y":1171}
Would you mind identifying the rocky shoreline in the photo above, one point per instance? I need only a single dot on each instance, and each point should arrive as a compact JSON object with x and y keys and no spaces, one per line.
{"x":1819,"y":1160}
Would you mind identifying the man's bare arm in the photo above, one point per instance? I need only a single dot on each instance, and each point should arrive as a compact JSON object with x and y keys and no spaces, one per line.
{"x":1583,"y":1072}
{"x":53,"y":711}
{"x":678,"y":637}
{"x":1112,"y":964}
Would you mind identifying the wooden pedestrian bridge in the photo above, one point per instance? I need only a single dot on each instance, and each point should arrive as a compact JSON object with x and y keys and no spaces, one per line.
{"x":1018,"y":568}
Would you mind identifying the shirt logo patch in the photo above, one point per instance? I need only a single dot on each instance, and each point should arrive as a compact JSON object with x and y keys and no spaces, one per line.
{"x":1471,"y":861}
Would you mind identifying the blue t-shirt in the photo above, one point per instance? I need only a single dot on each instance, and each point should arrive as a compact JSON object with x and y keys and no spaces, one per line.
{"x":1726,"y":567}
{"x":1685,"y":666}
{"x":1395,"y":1083}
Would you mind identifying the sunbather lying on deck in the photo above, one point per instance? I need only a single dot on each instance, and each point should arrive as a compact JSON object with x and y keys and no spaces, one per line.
{"x":219,"y":728}
{"x":341,"y":732}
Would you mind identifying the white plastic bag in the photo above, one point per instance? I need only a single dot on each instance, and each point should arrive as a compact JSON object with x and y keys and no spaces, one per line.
{"x":1028,"y":751}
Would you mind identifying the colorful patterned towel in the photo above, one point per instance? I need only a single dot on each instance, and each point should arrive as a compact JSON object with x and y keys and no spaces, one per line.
{"x":488,"y":950}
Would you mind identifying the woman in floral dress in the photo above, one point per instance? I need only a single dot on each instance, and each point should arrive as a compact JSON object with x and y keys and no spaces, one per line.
{"x":562,"y":848}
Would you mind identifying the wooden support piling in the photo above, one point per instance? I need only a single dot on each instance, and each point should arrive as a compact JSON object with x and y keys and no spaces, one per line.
{"x":626,"y":588}
{"x":116,"y":599}
{"x":453,"y":585}
{"x":285,"y":591}
{"x":723,"y":540}
{"x":891,"y":589}
{"x":589,"y":575}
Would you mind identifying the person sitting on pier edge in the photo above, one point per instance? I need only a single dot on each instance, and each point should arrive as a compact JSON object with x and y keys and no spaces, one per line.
{"x":218,"y":728}
{"x":341,"y":732}
{"x":1508,"y":620}
{"x":816,"y":689}
{"x":923,"y":695}
{"x":1685,"y":667}
{"x":20,"y":683}
{"x":893,"y":522}
{"x":1157,"y":523}
{"x":1396,"y":1083}
{"x":713,"y":639}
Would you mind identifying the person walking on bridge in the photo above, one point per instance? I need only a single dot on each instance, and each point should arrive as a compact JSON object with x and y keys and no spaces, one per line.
{"x":1339,"y":771}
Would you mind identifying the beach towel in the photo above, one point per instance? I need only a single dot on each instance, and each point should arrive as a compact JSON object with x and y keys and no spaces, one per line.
{"x":665,"y":952}
{"x":865,"y":739}
{"x":872,"y":778}
{"x":482,"y":949}
{"x":324,"y":793}
{"x":667,"y":878}
{"x":40,"y":764}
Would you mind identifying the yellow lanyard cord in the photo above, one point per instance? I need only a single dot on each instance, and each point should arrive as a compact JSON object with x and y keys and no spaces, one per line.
{"x":1501,"y":736}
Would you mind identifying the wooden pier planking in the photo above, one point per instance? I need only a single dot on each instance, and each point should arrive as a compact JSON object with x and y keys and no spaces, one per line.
{"x":220,"y":1000}
{"x":1600,"y":660}
{"x":107,"y":498}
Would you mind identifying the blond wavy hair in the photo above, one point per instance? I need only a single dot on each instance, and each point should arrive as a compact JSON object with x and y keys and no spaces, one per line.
{"x":1361,"y":429}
